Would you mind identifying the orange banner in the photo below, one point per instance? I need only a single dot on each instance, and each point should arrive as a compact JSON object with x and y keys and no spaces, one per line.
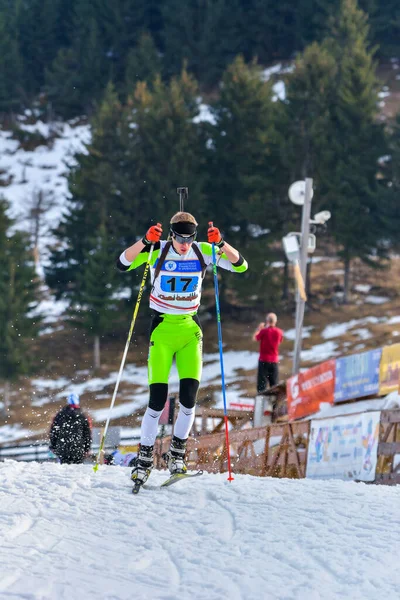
{"x":389,"y":373}
{"x":306,"y":390}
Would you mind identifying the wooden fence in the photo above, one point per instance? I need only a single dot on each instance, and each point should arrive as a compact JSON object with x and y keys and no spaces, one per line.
{"x":280,"y":450}
{"x":388,"y":469}
{"x":275,"y":450}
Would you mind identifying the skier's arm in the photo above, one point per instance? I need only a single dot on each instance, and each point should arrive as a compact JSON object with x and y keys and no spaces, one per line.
{"x":231,"y":253}
{"x":223,"y":260}
{"x":226,"y":251}
{"x":137,"y":254}
{"x":133,"y":251}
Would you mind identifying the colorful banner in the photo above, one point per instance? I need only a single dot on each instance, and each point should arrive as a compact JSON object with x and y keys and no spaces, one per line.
{"x":344,"y":447}
{"x":357,"y":375}
{"x":389,"y":375}
{"x":307,"y":389}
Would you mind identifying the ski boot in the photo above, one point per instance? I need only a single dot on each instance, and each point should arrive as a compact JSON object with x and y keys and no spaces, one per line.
{"x":142,"y":466}
{"x":175,"y":457}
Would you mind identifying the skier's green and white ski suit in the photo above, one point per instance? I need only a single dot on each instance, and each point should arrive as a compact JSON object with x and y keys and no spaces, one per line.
{"x":175,"y":331}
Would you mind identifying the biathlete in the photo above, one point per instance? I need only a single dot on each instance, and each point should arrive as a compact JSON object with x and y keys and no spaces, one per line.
{"x":177,"y":268}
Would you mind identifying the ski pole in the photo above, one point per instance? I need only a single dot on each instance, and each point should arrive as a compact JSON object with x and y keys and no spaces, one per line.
{"x":221,"y":358}
{"x":135,"y":312}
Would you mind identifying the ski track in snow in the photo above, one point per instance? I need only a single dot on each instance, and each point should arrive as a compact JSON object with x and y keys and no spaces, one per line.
{"x":67,"y":533}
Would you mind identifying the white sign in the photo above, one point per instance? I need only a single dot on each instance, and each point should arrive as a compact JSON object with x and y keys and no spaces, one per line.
{"x":344,"y":447}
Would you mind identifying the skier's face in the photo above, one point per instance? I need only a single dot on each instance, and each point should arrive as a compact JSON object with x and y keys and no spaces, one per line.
{"x":181,"y":247}
{"x":182,"y":243}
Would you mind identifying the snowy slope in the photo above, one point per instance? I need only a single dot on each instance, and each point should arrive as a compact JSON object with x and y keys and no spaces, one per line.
{"x":68,"y":533}
{"x":44,"y":169}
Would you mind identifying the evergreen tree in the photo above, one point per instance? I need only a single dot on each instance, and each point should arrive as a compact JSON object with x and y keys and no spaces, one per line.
{"x":307,"y":148}
{"x":138,"y":156}
{"x":39,"y":27}
{"x":308,"y":100}
{"x":99,"y":184}
{"x":353,"y":191}
{"x":94,"y":308}
{"x":384,"y":17}
{"x":167,"y":150}
{"x":202,"y":34}
{"x":389,"y":176}
{"x":246,"y":168}
{"x":309,"y":90}
{"x":18,"y":290}
{"x":133,"y":27}
{"x":79,"y":74}
{"x":11,"y":88}
{"x":143,"y":63}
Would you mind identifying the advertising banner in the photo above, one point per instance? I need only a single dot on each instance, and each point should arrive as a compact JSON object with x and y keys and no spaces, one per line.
{"x":357,"y":375}
{"x":389,"y":375}
{"x":344,"y":447}
{"x":307,"y":389}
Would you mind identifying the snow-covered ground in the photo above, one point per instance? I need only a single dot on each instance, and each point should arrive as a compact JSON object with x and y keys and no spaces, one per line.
{"x":44,"y":169}
{"x":68,"y":533}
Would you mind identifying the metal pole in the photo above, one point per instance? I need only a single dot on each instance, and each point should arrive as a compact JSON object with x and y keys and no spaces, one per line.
{"x":300,"y":304}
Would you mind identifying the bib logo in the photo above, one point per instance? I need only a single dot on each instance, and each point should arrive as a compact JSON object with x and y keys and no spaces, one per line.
{"x":170,"y":265}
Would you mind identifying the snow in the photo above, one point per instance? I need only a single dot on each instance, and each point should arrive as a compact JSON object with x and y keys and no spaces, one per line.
{"x":320,"y":352}
{"x":277,"y":69}
{"x":9,"y":433}
{"x":279,"y":90}
{"x":338,"y":329}
{"x":362,"y":288}
{"x":67,"y":532}
{"x":376,"y":299}
{"x":205,"y":114}
{"x":394,"y":320}
{"x":290,"y":334}
{"x":363,"y":333}
{"x":277,"y":264}
{"x":44,"y":169}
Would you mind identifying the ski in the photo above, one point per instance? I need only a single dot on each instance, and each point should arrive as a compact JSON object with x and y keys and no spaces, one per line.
{"x":178,"y":476}
{"x":170,"y":481}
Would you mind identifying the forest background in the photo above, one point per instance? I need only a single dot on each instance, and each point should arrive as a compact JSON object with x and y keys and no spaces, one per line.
{"x":140,"y":72}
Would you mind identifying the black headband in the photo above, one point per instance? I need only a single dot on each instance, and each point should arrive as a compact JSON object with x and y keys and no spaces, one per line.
{"x":183,"y":228}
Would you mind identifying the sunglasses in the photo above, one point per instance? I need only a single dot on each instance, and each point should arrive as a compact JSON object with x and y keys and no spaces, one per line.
{"x":183,"y":239}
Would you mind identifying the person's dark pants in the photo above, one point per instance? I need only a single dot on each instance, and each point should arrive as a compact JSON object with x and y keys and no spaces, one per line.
{"x":71,"y":458}
{"x":267,"y":374}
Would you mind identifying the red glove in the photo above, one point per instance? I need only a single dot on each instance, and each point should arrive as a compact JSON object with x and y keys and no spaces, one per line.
{"x":153,"y":235}
{"x":214,"y":236}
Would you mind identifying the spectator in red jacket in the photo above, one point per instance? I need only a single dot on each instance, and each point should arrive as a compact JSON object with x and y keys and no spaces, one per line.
{"x":269,"y":337}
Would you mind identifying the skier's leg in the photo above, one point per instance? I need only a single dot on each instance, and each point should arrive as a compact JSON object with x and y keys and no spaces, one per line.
{"x":161,"y":353}
{"x":189,"y":365}
{"x":159,"y":365}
